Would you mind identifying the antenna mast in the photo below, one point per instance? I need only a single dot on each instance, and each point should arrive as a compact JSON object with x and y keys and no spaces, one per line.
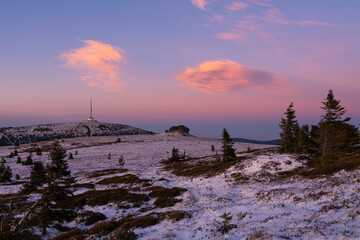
{"x":91,"y":108}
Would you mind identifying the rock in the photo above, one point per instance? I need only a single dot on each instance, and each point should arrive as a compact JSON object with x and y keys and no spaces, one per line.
{"x":180,"y":129}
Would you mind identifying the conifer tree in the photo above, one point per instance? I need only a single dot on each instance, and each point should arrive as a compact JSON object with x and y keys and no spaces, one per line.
{"x":5,"y":173}
{"x":335,"y":134}
{"x":304,"y":141}
{"x":59,"y":166}
{"x":38,"y":151}
{"x":18,"y":159}
{"x":227,"y":147}
{"x":289,"y":127}
{"x":58,"y":189}
{"x":37,"y":177}
{"x":29,"y":160}
{"x":175,"y":156}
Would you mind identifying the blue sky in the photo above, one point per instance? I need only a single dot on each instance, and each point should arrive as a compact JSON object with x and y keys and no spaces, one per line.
{"x":205,"y":63}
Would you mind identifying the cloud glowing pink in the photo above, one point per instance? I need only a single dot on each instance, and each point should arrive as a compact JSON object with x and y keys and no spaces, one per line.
{"x":225,"y":75}
{"x":98,"y":64}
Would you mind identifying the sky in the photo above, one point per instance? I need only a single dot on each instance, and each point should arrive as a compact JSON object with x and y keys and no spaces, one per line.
{"x":207,"y":64}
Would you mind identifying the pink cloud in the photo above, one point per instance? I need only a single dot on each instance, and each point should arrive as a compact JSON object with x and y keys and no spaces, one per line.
{"x":199,"y":3}
{"x":225,"y":75}
{"x":315,"y":23}
{"x":261,"y":3}
{"x":231,"y":36}
{"x":98,"y":64}
{"x":218,"y":18}
{"x":275,"y":16}
{"x":235,"y":6}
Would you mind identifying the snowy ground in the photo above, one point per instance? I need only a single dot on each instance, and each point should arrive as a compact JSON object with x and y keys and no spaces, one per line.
{"x":263,"y":205}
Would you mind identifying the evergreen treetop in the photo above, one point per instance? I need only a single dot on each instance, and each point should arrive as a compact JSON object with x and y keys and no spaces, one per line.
{"x":227,"y":147}
{"x":290,"y":128}
{"x":333,"y":110}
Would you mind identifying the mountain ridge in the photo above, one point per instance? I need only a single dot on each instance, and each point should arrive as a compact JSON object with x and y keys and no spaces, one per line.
{"x":266,"y":142}
{"x":52,"y":131}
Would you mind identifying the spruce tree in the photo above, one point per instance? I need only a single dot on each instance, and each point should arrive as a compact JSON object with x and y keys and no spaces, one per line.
{"x":29,"y":160}
{"x":335,"y":135}
{"x":38,"y":151}
{"x":304,"y":141}
{"x":227,"y":147}
{"x":5,"y":173}
{"x":37,"y":177}
{"x":175,"y":156}
{"x":59,"y":166}
{"x":58,"y":191}
{"x":290,"y":128}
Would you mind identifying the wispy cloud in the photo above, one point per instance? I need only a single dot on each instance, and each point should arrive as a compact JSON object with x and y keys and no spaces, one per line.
{"x":98,"y":64}
{"x":231,"y":36}
{"x":249,"y":17}
{"x":236,"y":6}
{"x":225,"y":75}
{"x":275,"y":16}
{"x":200,"y":3}
{"x":315,"y":23}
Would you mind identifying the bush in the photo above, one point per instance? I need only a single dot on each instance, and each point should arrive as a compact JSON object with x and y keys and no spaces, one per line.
{"x":38,"y":151}
{"x":227,"y":147}
{"x":5,"y":173}
{"x":225,"y":226}
{"x":29,"y":160}
{"x":121,"y":161}
{"x":175,"y":156}
{"x":89,"y":218}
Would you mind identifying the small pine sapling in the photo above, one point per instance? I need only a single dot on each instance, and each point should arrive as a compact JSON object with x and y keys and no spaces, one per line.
{"x":29,"y":160}
{"x":212,"y":148}
{"x":71,"y":156}
{"x":109,"y":156}
{"x":175,"y":156}
{"x":38,"y":151}
{"x":76,"y":152}
{"x":18,"y":160}
{"x":121,"y":160}
{"x":118,"y":140}
{"x":5,"y":173}
{"x":227,"y":147}
{"x":225,"y":226}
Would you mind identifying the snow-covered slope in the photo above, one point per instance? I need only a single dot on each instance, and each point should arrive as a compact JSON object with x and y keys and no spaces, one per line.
{"x":28,"y":134}
{"x":262,"y":203}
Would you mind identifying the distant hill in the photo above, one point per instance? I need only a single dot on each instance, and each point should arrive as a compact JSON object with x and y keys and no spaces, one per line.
{"x":29,"y":134}
{"x":269,"y":142}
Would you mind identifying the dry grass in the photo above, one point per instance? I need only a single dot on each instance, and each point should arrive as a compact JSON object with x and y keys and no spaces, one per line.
{"x":165,"y":197}
{"x":103,"y":197}
{"x":125,"y":179}
{"x":100,"y":173}
{"x":198,"y":168}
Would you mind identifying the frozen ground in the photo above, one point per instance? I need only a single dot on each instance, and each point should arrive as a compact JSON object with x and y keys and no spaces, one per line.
{"x":262,"y":204}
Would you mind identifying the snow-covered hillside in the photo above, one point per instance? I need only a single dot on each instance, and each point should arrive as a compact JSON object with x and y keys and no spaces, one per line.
{"x":262,"y":203}
{"x":28,"y":134}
